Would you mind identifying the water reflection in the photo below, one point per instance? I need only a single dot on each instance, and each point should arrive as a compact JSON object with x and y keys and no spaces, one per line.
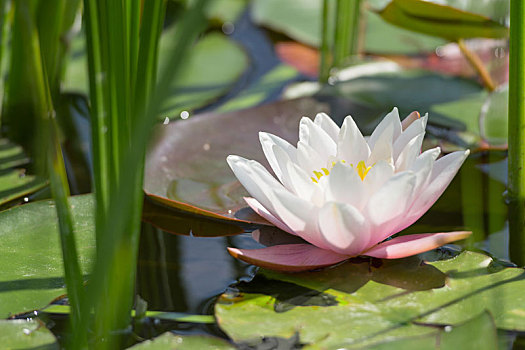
{"x":182,"y":273}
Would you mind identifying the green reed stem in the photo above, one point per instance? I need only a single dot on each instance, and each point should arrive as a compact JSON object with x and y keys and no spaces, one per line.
{"x":343,"y":29}
{"x":40,"y":95}
{"x":326,"y":59}
{"x":516,"y":181}
{"x":339,"y":43}
{"x":111,"y":287}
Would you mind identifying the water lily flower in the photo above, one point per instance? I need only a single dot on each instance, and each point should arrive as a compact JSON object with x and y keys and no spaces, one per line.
{"x":345,"y":194}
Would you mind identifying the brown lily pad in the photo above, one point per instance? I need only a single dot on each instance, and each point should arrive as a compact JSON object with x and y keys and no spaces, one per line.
{"x":186,"y":165}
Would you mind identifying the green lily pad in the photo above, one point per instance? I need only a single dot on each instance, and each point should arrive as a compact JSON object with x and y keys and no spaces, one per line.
{"x":30,"y":253}
{"x":172,"y":341}
{"x":23,"y":334}
{"x":260,"y":90}
{"x":301,"y":20}
{"x":14,"y":183}
{"x":203,"y":184}
{"x":407,"y":90}
{"x":478,"y":332}
{"x":440,"y":20}
{"x":482,"y":114}
{"x":376,"y":301}
{"x":213,"y":65}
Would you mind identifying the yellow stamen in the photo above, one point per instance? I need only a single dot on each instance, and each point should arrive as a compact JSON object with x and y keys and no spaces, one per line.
{"x":362,"y":169}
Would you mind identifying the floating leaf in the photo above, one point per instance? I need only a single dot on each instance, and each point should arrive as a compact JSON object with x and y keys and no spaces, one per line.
{"x":23,"y":334}
{"x":203,"y":183}
{"x":172,"y":341}
{"x":482,"y":114}
{"x":30,"y":253}
{"x":14,"y":183}
{"x":266,"y":87}
{"x":181,"y":223}
{"x":213,"y":65}
{"x":409,"y":91}
{"x":478,"y":332}
{"x":378,"y":301}
{"x":440,"y":20}
{"x":301,"y":20}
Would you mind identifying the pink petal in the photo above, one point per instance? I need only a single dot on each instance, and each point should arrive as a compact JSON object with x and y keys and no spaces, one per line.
{"x":288,"y":257}
{"x":409,"y":245}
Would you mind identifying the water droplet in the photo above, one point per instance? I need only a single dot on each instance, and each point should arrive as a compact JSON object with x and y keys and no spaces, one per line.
{"x":26,"y":199}
{"x":447,"y":329}
{"x":440,"y":51}
{"x":166,"y":121}
{"x":229,"y":211}
{"x":499,"y":52}
{"x":206,"y":147}
{"x":228,"y":28}
{"x":27,"y":331}
{"x":184,"y":114}
{"x":35,"y":313}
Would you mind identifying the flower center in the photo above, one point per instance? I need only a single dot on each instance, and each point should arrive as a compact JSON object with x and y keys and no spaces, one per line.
{"x":361,"y":168}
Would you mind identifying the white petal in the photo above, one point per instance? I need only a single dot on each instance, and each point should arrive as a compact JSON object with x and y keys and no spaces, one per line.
{"x":415,"y":129}
{"x":303,"y":185}
{"x":382,"y":147}
{"x":262,"y":211}
{"x":268,"y":143}
{"x":423,"y":166}
{"x":308,"y":158}
{"x":344,"y":228}
{"x":345,"y":186}
{"x":328,"y":125}
{"x":391,"y":120}
{"x":443,"y":172}
{"x":300,"y":216}
{"x":317,"y":138}
{"x":389,"y":202}
{"x":255,"y":179}
{"x":282,"y":160}
{"x":377,"y":176}
{"x":351,"y":145}
{"x":409,"y":154}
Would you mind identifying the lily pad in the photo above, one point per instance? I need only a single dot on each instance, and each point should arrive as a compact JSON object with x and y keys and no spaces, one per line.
{"x":377,"y":301}
{"x":172,"y":341}
{"x":440,"y":20}
{"x":32,"y":273}
{"x":301,"y":20}
{"x":23,"y":334}
{"x":409,"y":91}
{"x":213,"y":65}
{"x":15,"y":183}
{"x":267,"y":86}
{"x":482,"y":114}
{"x":478,"y":332}
{"x":203,"y":184}
{"x":182,"y":223}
